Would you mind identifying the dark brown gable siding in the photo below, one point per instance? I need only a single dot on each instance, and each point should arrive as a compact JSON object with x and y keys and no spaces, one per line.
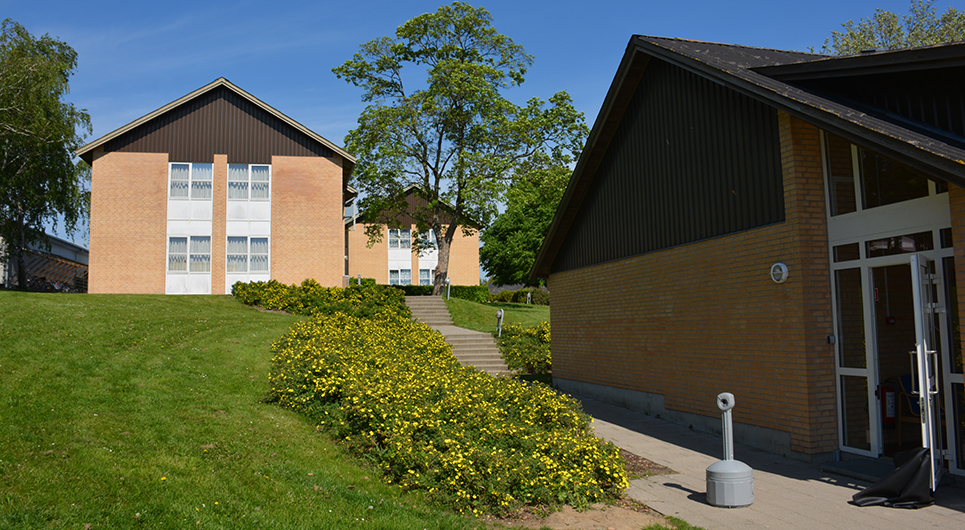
{"x":691,"y":160}
{"x":218,"y":122}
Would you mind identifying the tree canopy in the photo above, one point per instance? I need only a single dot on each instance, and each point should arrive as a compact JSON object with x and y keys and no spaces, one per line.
{"x":39,"y":132}
{"x":452,"y":133}
{"x":889,"y":31}
{"x":512,"y":241}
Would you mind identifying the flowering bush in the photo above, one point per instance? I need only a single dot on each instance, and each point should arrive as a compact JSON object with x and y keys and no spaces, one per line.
{"x":391,"y":389}
{"x":526,"y":350}
{"x":311,"y":298}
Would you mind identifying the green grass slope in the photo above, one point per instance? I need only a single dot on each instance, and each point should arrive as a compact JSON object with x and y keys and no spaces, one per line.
{"x":124,"y":411}
{"x":482,"y":317}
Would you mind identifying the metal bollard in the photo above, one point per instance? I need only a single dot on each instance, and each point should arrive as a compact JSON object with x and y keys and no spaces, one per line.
{"x":447,"y":288}
{"x":499,"y":323}
{"x":730,"y":483}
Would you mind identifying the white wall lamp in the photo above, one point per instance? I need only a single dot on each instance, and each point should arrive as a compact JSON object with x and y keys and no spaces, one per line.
{"x":779,"y":272}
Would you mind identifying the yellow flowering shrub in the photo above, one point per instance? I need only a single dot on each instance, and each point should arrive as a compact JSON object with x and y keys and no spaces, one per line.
{"x":391,"y":389}
{"x":311,"y":298}
{"x":526,"y":350}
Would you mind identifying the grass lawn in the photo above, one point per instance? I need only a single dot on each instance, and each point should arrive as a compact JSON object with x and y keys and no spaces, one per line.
{"x":138,"y":411}
{"x":482,"y":317}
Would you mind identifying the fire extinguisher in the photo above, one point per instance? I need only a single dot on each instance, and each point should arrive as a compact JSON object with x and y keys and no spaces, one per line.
{"x":888,"y":405}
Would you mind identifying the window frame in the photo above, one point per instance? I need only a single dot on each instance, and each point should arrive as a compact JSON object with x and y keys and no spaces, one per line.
{"x":192,"y":183}
{"x":249,"y":182}
{"x":249,"y":253}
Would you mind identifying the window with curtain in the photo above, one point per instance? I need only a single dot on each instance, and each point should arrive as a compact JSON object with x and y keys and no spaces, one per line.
{"x":201,"y":181}
{"x":260,"y":182}
{"x":400,"y":238}
{"x":258,"y":258}
{"x":249,"y":182}
{"x":237,"y":254}
{"x":199,"y":256}
{"x":238,"y":181}
{"x":393,"y":277}
{"x":425,"y":276}
{"x":190,"y":181}
{"x":180,"y":180}
{"x":178,"y":254}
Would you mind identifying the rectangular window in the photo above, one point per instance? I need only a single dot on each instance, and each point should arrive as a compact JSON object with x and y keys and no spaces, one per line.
{"x":426,"y":276}
{"x":238,"y":181}
{"x":884,"y":181}
{"x":237,"y":254}
{"x":199,"y":256}
{"x":906,"y":244}
{"x":190,"y":181}
{"x":400,"y":277}
{"x":249,"y":182}
{"x":400,"y":238}
{"x":258,"y":255}
{"x":178,"y":254}
{"x":180,"y":180}
{"x":246,"y":254}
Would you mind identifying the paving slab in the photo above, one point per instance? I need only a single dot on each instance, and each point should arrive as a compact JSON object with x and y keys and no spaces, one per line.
{"x":787,"y":493}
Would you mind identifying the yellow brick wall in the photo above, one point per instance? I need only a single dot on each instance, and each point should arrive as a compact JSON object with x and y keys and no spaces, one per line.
{"x":696,"y":320}
{"x":128,"y":223}
{"x":374,"y":262}
{"x":307,"y":239}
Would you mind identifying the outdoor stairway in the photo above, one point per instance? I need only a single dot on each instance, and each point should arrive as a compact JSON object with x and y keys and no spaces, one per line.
{"x":471,"y":348}
{"x":431,"y":310}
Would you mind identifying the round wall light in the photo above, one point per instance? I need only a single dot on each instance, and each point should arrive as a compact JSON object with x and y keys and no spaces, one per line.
{"x":779,"y":272}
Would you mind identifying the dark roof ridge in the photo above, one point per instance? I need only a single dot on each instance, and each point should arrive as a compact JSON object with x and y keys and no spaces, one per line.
{"x":744,"y":46}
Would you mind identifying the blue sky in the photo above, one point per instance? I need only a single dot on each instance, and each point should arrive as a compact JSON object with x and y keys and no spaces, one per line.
{"x":135,"y":57}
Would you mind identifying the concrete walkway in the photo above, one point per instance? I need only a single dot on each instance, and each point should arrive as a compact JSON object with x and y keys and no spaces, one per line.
{"x":787,"y":493}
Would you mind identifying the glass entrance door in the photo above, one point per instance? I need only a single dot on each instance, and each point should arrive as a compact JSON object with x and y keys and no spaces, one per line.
{"x":925,"y":356}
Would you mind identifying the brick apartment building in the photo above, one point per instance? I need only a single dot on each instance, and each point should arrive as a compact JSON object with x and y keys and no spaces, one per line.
{"x":394,"y":259}
{"x":218,"y":187}
{"x":780,"y":225}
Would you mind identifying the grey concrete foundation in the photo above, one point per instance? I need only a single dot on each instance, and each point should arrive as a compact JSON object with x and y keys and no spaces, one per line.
{"x":770,"y":440}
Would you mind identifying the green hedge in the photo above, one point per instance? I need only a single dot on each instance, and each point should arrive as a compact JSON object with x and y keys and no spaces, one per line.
{"x":526,"y":350}
{"x":391,"y":389}
{"x":473,"y":293}
{"x":414,"y":290}
{"x":538,"y":296}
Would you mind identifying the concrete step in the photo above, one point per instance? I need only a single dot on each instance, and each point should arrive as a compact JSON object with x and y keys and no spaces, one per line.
{"x":470,"y":348}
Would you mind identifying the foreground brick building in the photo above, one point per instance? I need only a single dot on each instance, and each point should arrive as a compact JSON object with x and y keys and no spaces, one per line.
{"x":780,"y":225}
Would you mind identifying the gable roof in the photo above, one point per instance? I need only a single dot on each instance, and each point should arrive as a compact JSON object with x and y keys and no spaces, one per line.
{"x":87,"y":151}
{"x":806,"y":85}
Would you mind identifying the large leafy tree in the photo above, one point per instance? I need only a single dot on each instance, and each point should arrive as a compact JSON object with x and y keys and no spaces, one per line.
{"x":920,"y":27}
{"x":39,"y":182}
{"x":512,"y":241}
{"x":451,"y":133}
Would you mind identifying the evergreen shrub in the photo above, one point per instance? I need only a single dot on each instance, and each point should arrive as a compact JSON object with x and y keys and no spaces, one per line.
{"x":526,"y":350}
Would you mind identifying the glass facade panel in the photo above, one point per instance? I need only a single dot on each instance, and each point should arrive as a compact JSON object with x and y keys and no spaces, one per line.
{"x":885,"y":181}
{"x":840,"y":174}
{"x":906,"y":244}
{"x":957,"y":418}
{"x":849,"y":252}
{"x":857,"y":419}
{"x":180,"y":177}
{"x":850,"y":340}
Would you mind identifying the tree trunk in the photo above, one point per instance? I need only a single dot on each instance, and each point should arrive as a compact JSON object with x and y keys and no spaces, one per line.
{"x":442,"y":267}
{"x":17,"y":249}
